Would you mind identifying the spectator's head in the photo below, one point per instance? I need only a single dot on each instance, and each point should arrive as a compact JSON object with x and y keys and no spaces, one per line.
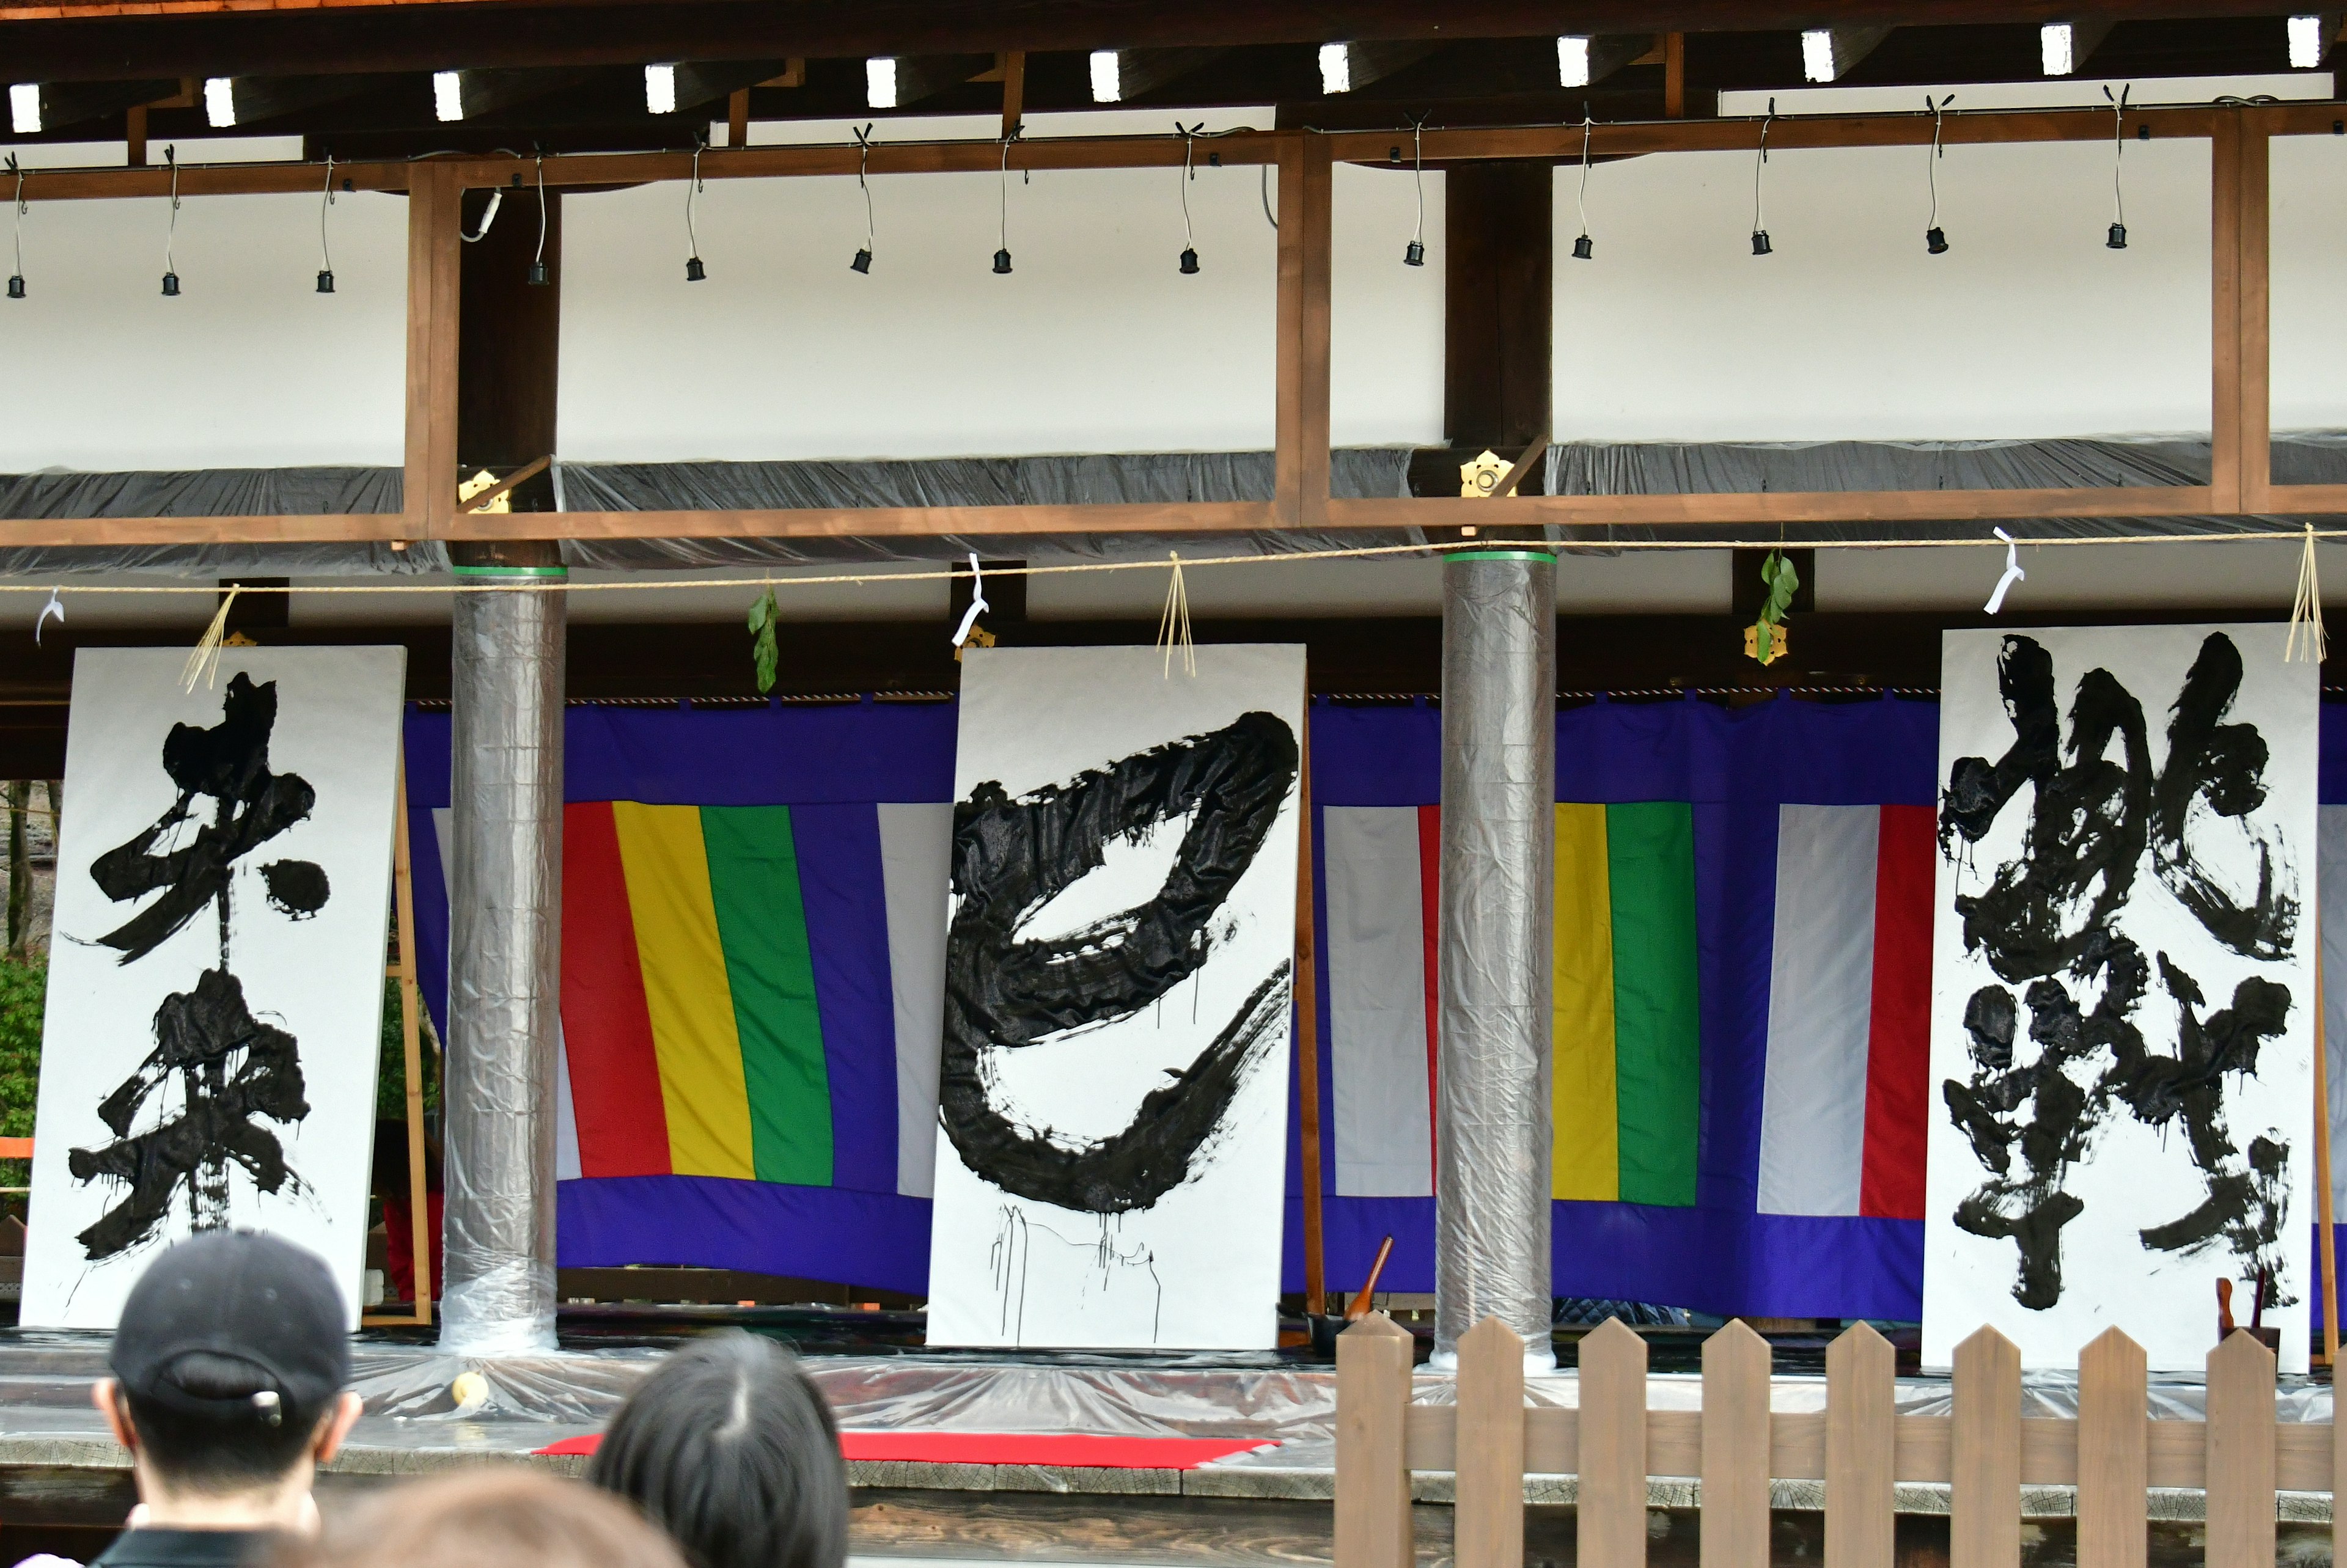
{"x":728,"y":1448}
{"x":229,"y":1365}
{"x":508,"y":1517}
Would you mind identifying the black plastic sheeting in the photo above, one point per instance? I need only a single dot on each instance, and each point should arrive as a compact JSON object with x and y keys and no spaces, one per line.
{"x":1590,"y":467}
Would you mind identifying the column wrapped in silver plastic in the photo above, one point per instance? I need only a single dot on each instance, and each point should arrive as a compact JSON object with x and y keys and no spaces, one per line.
{"x":504,"y":954}
{"x":1499,"y":855}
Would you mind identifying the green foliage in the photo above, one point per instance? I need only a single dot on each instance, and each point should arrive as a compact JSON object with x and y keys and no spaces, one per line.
{"x":762,"y":651}
{"x":1782,"y":581}
{"x":391,"y":1080}
{"x":23,"y":985}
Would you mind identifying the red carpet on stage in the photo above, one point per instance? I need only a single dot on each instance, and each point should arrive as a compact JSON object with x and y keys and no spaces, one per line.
{"x":1014,"y":1448}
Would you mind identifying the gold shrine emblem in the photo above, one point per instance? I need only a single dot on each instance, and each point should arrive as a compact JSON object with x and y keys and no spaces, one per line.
{"x":1482,"y":475}
{"x":468,"y":489}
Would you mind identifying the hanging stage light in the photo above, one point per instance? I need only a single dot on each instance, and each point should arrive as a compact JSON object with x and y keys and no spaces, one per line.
{"x":2116,"y":239}
{"x":1414,"y":253}
{"x":863,"y":262}
{"x":170,"y":273}
{"x":1189,"y":172}
{"x":1002,"y":254}
{"x":1760,"y":246}
{"x":1583,"y":250}
{"x":694,"y":271}
{"x":538,"y":278}
{"x":1935,"y":239}
{"x":16,"y":278}
{"x":325,"y":256}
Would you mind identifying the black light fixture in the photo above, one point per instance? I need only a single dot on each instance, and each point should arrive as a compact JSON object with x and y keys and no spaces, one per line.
{"x":1935,"y":239}
{"x":1583,"y":250}
{"x":2116,"y":240}
{"x":536,"y":277}
{"x":1189,"y":172}
{"x":1414,"y":253}
{"x":1760,"y":246}
{"x":694,"y":272}
{"x":16,"y":278}
{"x":863,"y":262}
{"x":325,"y":256}
{"x":170,"y":273}
{"x":1002,"y":262}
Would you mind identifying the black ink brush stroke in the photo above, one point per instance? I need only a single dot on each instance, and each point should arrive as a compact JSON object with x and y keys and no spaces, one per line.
{"x":2089,"y":821}
{"x":2224,"y":766}
{"x":1012,"y":857}
{"x":233,"y":1068}
{"x":230,"y":763}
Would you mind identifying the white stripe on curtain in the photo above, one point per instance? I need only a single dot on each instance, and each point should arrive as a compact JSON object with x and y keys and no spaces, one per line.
{"x":915,"y":857}
{"x":2331,"y":880}
{"x":1376,"y":1002}
{"x":1820,"y":1009}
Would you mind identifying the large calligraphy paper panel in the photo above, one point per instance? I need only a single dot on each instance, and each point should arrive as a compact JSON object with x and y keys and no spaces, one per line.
{"x":216,"y":969}
{"x":2123,"y":990}
{"x":1119,"y":952}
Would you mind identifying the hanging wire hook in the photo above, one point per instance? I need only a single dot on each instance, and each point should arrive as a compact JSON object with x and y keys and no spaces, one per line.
{"x":16,"y":278}
{"x":1760,"y":229}
{"x":863,"y":262}
{"x":1935,"y":239}
{"x":693,"y":270}
{"x":2117,"y":239}
{"x":326,"y":251}
{"x":538,"y":259}
{"x":1414,"y":254}
{"x":1583,"y":249}
{"x":171,"y":232}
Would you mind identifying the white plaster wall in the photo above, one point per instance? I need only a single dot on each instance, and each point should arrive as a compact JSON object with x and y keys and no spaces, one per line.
{"x":249,"y":367}
{"x":1093,"y":343}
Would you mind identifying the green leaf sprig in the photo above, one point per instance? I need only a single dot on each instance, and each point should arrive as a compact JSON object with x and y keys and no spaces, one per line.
{"x":762,"y":651}
{"x":1782,"y":580}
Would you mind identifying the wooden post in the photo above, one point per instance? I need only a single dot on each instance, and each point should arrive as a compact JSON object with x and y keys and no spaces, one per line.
{"x":1373,"y":1526}
{"x":737,"y":118}
{"x":1489,"y":1453}
{"x":1014,"y":91}
{"x":1736,"y":1447}
{"x":433,"y":243}
{"x":1612,"y":1509}
{"x":1301,"y":461}
{"x":1860,"y":1446}
{"x":1674,"y":76}
{"x":1307,"y":1033}
{"x":2114,"y":1460}
{"x":1984,"y":1496}
{"x":2242,"y":362}
{"x":2241,"y":1440}
{"x":403,"y":886}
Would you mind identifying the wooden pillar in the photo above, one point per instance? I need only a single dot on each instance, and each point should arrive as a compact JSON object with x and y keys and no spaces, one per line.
{"x":2240,"y":234}
{"x":1301,"y":460}
{"x":1499,"y":282}
{"x":507,"y":343}
{"x":433,"y":241}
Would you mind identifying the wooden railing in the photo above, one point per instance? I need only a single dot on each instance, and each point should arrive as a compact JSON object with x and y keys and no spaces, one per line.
{"x":1859,"y":1446}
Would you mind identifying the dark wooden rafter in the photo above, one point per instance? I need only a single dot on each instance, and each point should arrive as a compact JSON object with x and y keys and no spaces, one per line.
{"x":482,"y":93}
{"x":64,"y":104}
{"x":2241,"y":468}
{"x":1829,"y":54}
{"x":1603,"y":55}
{"x":250,"y":101}
{"x":1372,"y":61}
{"x":919,"y":77}
{"x":701,"y":82}
{"x":1137,"y":72}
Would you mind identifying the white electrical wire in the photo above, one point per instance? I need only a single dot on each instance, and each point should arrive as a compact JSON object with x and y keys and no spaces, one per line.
{"x":1003,"y":242}
{"x":1264,"y":187}
{"x":1938,"y":152}
{"x":19,"y":173}
{"x":692,"y":191}
{"x":488,"y":217}
{"x":1189,"y":144}
{"x":2118,"y":152}
{"x":1758,"y":226}
{"x":1418,"y":157}
{"x":863,"y":162}
{"x":539,"y":261}
{"x":1585,"y":129}
{"x":326,"y":255}
{"x":171,"y":232}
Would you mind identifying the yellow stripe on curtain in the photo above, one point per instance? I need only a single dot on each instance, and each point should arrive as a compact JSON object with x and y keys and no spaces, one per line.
{"x":686,"y":990}
{"x":1586,"y":1151}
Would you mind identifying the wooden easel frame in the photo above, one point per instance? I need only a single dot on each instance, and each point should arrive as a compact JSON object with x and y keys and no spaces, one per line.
{"x":401,"y":969}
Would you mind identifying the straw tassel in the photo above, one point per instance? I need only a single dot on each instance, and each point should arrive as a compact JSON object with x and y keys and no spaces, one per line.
{"x":2306,"y":636}
{"x":204,"y":662}
{"x":1174,"y":624}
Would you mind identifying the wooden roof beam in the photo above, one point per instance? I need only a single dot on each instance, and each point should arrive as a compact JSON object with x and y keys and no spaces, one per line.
{"x":233,"y":101}
{"x":686,"y":85}
{"x":2064,"y":47}
{"x":472,"y":94}
{"x":1829,"y":54}
{"x":1583,"y":61}
{"x":1121,"y":75}
{"x":1349,"y":67}
{"x":36,"y":108}
{"x":900,"y":81}
{"x":2311,"y":35}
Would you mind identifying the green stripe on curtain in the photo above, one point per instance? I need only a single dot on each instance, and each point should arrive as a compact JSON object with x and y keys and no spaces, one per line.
{"x":754,"y":879}
{"x":1650,"y":856}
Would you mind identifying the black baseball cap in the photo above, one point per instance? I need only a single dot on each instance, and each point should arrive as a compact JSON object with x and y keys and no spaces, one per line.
{"x":241,"y":1295}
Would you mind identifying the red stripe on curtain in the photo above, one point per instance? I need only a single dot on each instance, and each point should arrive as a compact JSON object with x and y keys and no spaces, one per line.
{"x":606,"y":1031}
{"x":1899,"y":1044}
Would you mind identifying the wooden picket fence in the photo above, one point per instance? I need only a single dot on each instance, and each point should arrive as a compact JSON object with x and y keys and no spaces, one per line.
{"x":1985,"y":1452}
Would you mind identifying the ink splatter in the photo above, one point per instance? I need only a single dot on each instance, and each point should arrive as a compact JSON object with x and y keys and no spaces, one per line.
{"x":1010,"y":857}
{"x":2052,"y":918}
{"x":296,"y":888}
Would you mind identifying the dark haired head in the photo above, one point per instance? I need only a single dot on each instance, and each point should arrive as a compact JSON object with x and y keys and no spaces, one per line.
{"x":229,"y":1449}
{"x":728,"y":1448}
